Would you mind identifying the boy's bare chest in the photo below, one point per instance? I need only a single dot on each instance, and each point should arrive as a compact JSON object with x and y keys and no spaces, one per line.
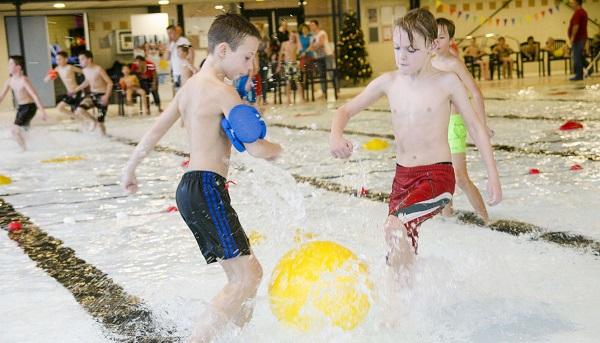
{"x":17,"y":86}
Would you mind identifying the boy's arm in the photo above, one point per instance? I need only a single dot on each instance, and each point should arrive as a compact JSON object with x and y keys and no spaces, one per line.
{"x":339,"y":146}
{"x":465,"y":76}
{"x":47,"y":78}
{"x":76,"y":70}
{"x":82,"y":86}
{"x":109,"y":86}
{"x":480,"y":135}
{"x":261,"y":148}
{"x":33,"y":94}
{"x":147,"y":143}
{"x":5,"y":90}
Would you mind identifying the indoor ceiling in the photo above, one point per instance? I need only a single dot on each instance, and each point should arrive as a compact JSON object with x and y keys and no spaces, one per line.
{"x":37,"y":5}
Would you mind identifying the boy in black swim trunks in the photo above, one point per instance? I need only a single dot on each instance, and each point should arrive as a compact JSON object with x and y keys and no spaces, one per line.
{"x":25,"y":95}
{"x":67,"y":74}
{"x":100,"y":85}
{"x":202,"y":198}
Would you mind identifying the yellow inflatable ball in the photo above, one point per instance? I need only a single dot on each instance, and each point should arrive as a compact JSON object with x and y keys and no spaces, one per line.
{"x":320,"y":284}
{"x":376,"y":144}
{"x":5,"y":180}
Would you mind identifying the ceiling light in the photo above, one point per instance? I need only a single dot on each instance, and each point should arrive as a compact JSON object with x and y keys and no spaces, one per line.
{"x":219,"y":7}
{"x":488,"y":35}
{"x":59,"y":5}
{"x":163,"y":2}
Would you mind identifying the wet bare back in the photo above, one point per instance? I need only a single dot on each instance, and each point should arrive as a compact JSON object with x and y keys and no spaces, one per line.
{"x":200,"y":109}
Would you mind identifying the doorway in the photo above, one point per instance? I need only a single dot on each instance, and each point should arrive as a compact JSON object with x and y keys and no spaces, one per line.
{"x":267,"y":20}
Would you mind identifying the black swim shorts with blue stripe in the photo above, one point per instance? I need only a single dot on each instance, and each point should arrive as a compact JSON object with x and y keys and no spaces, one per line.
{"x":204,"y":204}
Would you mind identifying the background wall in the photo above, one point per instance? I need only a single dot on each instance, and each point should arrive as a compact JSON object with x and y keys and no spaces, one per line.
{"x":522,"y":18}
{"x":102,"y":23}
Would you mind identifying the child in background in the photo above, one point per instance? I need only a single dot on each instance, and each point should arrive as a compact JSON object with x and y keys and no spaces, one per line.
{"x":26,"y":97}
{"x":130,"y":84}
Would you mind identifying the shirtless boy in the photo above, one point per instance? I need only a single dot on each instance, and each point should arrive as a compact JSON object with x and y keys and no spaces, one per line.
{"x":202,"y":198}
{"x":288,"y":60}
{"x":67,"y":74}
{"x":130,"y":84}
{"x":420,"y":98}
{"x":26,"y":97}
{"x":457,"y":133}
{"x":100,"y":85}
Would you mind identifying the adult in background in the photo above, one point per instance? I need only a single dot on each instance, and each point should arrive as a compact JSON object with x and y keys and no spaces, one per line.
{"x":176,"y":39}
{"x":283,"y":34}
{"x":146,"y":72}
{"x":578,"y":36}
{"x":318,"y":45}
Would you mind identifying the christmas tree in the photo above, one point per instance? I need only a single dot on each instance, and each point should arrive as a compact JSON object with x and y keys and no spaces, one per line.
{"x":352,"y":56}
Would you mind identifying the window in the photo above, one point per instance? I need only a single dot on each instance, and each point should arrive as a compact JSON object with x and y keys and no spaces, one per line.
{"x":373,"y":34}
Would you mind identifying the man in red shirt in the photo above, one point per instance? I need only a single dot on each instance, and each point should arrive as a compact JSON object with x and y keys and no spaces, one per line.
{"x":578,"y":36}
{"x":146,"y":72}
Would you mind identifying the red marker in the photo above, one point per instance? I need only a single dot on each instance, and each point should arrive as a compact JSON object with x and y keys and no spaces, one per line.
{"x":570,"y":125}
{"x":363,"y":191}
{"x":534,"y":171}
{"x":172,"y":209}
{"x":14,"y":226}
{"x":576,"y":167}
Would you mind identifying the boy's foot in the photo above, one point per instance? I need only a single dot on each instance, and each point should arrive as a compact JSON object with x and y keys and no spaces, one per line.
{"x":575,"y":78}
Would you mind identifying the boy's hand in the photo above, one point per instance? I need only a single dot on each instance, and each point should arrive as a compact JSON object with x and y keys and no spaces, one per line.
{"x":275,"y":151}
{"x":44,"y":114}
{"x":340,"y":147}
{"x":129,"y":182}
{"x":494,"y":191}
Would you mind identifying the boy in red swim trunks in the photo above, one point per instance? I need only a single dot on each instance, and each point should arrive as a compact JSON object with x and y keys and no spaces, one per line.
{"x":419,"y":97}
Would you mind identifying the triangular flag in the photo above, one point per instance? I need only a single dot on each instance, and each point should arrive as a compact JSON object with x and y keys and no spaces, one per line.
{"x":550,"y":10}
{"x":497,"y":21}
{"x":505,"y":21}
{"x":467,"y":16}
{"x":459,"y":13}
{"x":513,"y":21}
{"x":543,"y":13}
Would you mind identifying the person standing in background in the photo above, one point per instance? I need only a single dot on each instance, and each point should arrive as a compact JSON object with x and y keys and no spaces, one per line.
{"x":176,"y":39}
{"x":578,"y":36}
{"x":318,"y":45}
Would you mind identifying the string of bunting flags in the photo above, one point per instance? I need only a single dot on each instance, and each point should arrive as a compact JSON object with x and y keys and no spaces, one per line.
{"x":504,"y":21}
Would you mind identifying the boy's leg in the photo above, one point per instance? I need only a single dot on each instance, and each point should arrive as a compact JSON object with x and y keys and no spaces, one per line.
{"x":144,"y":99}
{"x":63,"y":108}
{"x":401,"y":254}
{"x":17,"y":133}
{"x":459,"y":162}
{"x":234,"y":303}
{"x":129,"y":96}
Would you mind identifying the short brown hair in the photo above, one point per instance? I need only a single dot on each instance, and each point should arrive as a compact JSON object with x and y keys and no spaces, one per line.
{"x":420,"y":21}
{"x":63,"y":54}
{"x":447,"y":24}
{"x":231,"y":29}
{"x":18,"y":60}
{"x":87,"y":54}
